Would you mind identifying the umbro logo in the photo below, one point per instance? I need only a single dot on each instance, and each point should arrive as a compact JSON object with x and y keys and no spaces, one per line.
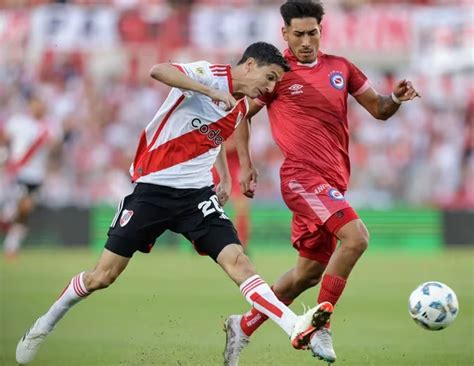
{"x":296,"y":89}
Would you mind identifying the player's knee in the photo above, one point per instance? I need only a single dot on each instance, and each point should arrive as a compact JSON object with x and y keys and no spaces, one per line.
{"x":243,"y":264}
{"x":359,"y":243}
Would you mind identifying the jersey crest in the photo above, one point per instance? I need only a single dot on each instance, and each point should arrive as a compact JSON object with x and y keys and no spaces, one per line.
{"x":337,"y":80}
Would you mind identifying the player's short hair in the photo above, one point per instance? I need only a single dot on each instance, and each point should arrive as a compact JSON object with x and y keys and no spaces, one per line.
{"x":264,"y":54}
{"x":301,"y":9}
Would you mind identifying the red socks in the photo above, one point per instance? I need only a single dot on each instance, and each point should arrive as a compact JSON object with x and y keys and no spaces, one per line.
{"x":331,"y":289}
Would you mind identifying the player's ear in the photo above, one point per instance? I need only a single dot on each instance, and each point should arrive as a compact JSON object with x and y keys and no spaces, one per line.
{"x":320,"y":28}
{"x":284,"y":33}
{"x":249,"y":64}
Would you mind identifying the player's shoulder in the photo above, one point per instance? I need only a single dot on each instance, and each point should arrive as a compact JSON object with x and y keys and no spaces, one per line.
{"x":336,"y":59}
{"x":199,"y":67}
{"x":208,"y":69}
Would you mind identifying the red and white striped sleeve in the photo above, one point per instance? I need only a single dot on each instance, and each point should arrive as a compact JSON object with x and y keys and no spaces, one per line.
{"x":199,"y":71}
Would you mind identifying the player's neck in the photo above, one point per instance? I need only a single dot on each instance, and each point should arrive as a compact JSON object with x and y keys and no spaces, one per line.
{"x":308,"y":64}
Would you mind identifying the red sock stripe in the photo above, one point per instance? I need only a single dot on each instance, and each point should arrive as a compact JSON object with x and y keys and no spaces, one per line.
{"x":266,"y":304}
{"x":76,"y":283}
{"x":256,"y":284}
{"x":244,"y":289}
{"x":63,"y":291}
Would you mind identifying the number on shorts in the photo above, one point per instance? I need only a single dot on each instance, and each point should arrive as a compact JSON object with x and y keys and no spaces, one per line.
{"x":210,"y":206}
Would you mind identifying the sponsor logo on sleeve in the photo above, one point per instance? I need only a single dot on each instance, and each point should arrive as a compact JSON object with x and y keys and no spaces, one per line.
{"x":337,"y":80}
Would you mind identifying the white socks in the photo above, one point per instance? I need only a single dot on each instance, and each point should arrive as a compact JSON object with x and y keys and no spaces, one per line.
{"x":72,"y":294}
{"x":15,"y":236}
{"x":261,"y":297}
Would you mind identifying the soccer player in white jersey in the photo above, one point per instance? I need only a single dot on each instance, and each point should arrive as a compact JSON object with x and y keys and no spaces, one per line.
{"x":172,"y":172}
{"x":28,"y":140}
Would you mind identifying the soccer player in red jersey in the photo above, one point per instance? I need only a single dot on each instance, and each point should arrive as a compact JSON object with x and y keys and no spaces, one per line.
{"x":308,"y":116}
{"x":173,"y":190}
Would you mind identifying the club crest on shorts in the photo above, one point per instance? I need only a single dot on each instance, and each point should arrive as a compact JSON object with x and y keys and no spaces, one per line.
{"x":125,"y":217}
{"x":337,"y":80}
{"x":335,"y":194}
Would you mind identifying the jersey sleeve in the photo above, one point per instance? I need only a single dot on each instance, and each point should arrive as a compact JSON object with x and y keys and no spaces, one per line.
{"x":198,"y":71}
{"x":358,"y":82}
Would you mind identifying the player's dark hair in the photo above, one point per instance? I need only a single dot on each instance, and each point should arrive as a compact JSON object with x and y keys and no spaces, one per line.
{"x":301,"y":9}
{"x":264,"y":54}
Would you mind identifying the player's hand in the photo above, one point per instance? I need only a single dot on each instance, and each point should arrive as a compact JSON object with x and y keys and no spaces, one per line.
{"x":223,"y":98}
{"x":248,"y":181}
{"x":405,"y":91}
{"x":223,"y":191}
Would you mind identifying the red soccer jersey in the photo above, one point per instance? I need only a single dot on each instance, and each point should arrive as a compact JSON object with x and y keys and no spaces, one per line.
{"x":308,"y":115}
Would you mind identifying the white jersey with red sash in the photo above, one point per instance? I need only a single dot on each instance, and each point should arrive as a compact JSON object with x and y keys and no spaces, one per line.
{"x":179,"y":146}
{"x":28,"y":158}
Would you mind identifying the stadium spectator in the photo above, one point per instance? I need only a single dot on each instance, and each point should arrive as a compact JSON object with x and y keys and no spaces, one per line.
{"x":172,"y":172}
{"x":308,"y":116}
{"x":29,"y":140}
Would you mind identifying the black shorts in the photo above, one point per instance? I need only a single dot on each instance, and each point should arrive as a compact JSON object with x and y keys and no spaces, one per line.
{"x":151,"y":210}
{"x":28,"y":187}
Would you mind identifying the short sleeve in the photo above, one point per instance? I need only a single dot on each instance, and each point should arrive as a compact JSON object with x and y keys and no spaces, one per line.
{"x":198,"y":71}
{"x":358,"y":81}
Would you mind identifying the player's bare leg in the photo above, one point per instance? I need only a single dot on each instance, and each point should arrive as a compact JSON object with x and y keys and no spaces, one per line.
{"x":354,"y":239}
{"x":108,"y":268}
{"x":17,"y":230}
{"x":242,"y":221}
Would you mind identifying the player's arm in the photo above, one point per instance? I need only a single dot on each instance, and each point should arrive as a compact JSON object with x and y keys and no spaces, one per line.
{"x":248,"y":173}
{"x":384,"y":106}
{"x":225,"y":181}
{"x":172,"y":76}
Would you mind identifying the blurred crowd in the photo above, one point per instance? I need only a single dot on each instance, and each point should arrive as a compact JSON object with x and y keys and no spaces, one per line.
{"x":127,"y":3}
{"x":423,"y":156}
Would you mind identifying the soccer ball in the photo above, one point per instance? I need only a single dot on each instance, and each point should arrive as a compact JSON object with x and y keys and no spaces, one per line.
{"x":433,"y":305}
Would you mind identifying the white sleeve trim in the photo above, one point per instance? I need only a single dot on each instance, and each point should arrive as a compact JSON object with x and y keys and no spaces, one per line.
{"x":362,"y":89}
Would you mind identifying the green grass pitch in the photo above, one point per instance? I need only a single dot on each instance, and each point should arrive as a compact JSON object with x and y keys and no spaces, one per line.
{"x":168,"y":309}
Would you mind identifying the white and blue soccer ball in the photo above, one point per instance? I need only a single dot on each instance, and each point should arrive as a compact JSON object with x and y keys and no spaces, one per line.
{"x":433,"y":305}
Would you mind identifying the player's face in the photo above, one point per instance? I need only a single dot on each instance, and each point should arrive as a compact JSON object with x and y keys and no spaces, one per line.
{"x":37,"y":108}
{"x":303,"y":36}
{"x":262,"y":79}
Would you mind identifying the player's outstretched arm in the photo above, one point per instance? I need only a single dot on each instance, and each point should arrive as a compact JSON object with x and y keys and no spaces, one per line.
{"x":171,"y":76}
{"x":224,"y":187}
{"x":384,"y":106}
